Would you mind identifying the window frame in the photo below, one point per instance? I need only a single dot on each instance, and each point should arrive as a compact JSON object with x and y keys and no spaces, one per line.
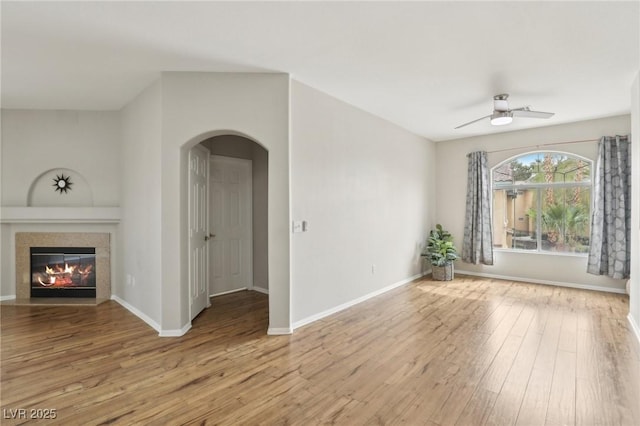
{"x":539,"y":187}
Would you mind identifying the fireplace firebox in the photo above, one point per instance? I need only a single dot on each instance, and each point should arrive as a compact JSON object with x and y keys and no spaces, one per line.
{"x":63,"y":272}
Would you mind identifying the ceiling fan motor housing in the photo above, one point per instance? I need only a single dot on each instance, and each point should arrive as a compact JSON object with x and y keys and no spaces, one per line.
{"x":500,"y":102}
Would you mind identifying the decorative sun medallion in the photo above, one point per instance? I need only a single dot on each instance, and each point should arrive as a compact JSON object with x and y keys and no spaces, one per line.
{"x":62,"y":183}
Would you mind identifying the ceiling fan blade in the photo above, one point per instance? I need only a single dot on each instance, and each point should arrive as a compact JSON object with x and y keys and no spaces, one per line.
{"x":531,"y":114}
{"x":471,"y":122}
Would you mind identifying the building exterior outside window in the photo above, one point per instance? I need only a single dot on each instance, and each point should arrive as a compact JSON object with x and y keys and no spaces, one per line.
{"x":542,"y":203}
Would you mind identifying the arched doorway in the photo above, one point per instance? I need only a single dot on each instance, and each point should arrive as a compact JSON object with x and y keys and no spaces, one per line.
{"x":238,"y":215}
{"x":240,"y":146}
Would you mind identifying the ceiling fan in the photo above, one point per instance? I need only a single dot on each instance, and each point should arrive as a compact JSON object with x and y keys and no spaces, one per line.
{"x":503,"y":115}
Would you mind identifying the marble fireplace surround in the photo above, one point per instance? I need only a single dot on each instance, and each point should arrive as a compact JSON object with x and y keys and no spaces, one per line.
{"x":25,"y":240}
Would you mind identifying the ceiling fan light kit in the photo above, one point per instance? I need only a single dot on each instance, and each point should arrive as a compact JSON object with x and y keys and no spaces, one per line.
{"x":503,"y":115}
{"x":500,"y":118}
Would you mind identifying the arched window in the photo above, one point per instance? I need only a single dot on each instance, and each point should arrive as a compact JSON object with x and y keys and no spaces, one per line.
{"x":542,"y":203}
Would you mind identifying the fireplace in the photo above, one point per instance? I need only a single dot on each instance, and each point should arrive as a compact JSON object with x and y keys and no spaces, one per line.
{"x":65,"y":249}
{"x":63,"y":272}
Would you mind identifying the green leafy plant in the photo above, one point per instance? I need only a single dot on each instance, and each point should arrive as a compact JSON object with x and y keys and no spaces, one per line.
{"x":565,"y":224}
{"x":440,"y":248}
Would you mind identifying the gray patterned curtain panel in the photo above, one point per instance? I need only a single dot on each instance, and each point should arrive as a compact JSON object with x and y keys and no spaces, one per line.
{"x":610,"y":247}
{"x":477,"y":243}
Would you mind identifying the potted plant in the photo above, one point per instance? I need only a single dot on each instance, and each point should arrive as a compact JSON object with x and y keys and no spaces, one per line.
{"x":441,"y":252}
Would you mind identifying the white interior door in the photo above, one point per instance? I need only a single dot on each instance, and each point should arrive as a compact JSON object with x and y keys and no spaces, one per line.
{"x":198,"y":229}
{"x":231,"y":223}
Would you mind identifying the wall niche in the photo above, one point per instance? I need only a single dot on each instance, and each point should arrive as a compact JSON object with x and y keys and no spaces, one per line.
{"x":60,"y":188}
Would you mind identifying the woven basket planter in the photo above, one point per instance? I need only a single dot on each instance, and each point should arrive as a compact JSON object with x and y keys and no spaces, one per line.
{"x":442,"y":273}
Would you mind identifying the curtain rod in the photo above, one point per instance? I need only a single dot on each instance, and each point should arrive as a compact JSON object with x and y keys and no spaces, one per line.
{"x":544,"y":144}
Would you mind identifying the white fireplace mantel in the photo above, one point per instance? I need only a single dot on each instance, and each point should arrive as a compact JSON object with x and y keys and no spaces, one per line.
{"x":59,"y":214}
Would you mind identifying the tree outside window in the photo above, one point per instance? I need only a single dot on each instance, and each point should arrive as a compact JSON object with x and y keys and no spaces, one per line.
{"x":542,"y":203}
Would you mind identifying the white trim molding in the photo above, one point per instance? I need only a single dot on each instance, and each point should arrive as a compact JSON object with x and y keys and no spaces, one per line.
{"x":545,"y":282}
{"x":162,"y":333}
{"x":60,"y":215}
{"x":175,"y":333}
{"x":354,"y":302}
{"x":235,"y":290}
{"x":258,"y":289}
{"x":275,"y":331}
{"x":635,"y":327}
{"x":10,"y":297}
{"x":135,"y":311}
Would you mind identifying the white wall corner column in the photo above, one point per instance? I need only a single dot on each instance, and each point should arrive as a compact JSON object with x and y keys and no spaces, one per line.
{"x":198,"y":106}
{"x":634,"y":290}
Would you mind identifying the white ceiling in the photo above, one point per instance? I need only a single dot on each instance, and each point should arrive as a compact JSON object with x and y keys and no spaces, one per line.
{"x":426,"y":66}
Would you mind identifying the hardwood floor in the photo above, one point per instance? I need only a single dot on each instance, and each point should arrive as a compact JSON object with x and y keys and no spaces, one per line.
{"x":468,"y":352}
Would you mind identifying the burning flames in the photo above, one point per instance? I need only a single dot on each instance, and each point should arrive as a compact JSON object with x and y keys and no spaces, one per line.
{"x":61,"y":277}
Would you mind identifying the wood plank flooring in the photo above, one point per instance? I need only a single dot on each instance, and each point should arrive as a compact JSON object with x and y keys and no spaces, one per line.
{"x":468,"y":352}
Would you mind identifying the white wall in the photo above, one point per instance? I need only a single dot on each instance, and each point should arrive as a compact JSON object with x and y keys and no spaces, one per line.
{"x":7,"y":263}
{"x":365,"y":188}
{"x":78,"y":193}
{"x":634,"y":297}
{"x":452,"y":181}
{"x":7,"y":290}
{"x":35,"y":141}
{"x":139,"y":264}
{"x":197,"y":106}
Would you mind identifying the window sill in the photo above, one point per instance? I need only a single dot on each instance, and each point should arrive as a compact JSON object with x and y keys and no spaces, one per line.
{"x":543,"y":253}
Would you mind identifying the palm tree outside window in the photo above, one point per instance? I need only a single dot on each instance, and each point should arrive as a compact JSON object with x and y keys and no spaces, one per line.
{"x":542,"y":203}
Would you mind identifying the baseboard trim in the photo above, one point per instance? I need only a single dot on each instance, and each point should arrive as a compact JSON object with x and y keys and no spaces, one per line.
{"x":275,"y":331}
{"x":137,"y":312}
{"x":10,"y":297}
{"x":175,"y":333}
{"x":635,"y":327}
{"x":235,"y":290}
{"x":258,"y":289}
{"x":353,"y":302}
{"x":545,"y":282}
